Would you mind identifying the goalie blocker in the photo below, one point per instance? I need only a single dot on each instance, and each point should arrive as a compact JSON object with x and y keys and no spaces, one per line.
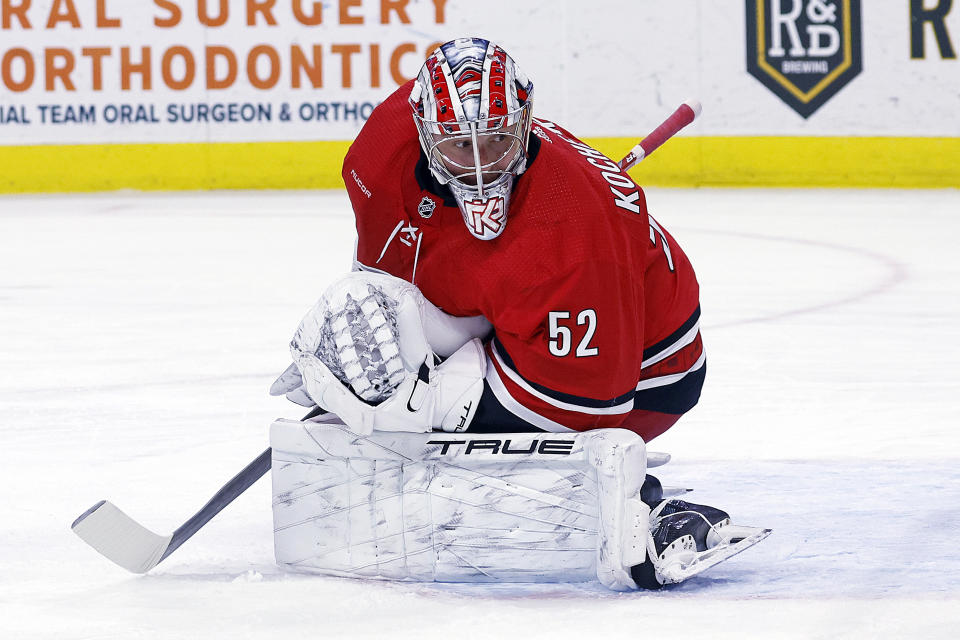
{"x":538,"y":507}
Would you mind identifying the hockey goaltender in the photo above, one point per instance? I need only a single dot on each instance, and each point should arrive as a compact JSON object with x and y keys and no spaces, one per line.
{"x":551,"y":348}
{"x":482,"y":391}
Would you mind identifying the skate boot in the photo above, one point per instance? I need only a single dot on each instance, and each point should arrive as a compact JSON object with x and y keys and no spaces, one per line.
{"x":652,"y":491}
{"x":686,"y":539}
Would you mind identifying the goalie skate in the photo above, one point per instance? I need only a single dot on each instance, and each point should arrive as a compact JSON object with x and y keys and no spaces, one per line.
{"x":687,"y":539}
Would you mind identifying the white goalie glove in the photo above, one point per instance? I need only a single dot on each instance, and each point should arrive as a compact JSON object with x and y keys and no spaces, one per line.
{"x":367,"y":352}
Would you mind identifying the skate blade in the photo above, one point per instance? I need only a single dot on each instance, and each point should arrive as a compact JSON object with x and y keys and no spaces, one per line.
{"x":734,"y":539}
{"x":674,"y":492}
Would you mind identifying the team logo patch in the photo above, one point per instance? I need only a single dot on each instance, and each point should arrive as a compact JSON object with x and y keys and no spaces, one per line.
{"x":426,"y":207}
{"x":486,"y":214}
{"x":805,"y":51}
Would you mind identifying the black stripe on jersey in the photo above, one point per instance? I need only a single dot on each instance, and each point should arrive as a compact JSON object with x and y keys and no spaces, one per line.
{"x":429,"y":183}
{"x":668,"y":342}
{"x":589,"y":403}
{"x":677,"y":398}
{"x":359,"y":266}
{"x":493,"y":417}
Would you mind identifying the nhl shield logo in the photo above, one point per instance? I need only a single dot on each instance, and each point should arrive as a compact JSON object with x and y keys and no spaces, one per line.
{"x":805,"y":51}
{"x":426,"y":207}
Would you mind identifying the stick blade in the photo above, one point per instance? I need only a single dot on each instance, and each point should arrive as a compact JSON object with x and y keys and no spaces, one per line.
{"x":119,"y":538}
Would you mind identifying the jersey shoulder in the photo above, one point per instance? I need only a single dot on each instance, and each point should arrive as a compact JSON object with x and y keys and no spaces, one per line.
{"x":574,"y":206}
{"x":387,"y":143}
{"x":375,"y":173}
{"x":589,"y":175}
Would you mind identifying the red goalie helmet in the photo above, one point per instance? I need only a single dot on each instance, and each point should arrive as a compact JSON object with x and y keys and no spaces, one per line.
{"x":472,"y":106}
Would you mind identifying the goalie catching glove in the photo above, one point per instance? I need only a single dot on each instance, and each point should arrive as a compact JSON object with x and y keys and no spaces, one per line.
{"x":363,"y":353}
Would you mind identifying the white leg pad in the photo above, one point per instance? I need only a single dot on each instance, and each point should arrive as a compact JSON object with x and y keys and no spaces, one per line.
{"x":543,"y":507}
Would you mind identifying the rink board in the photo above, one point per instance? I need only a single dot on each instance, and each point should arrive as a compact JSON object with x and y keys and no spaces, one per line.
{"x":186,"y":96}
{"x":790,"y":161}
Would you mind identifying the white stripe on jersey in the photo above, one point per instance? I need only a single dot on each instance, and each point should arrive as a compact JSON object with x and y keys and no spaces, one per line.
{"x":686,"y":339}
{"x":623,"y":407}
{"x":517,"y":409}
{"x":663,"y":381}
{"x":393,"y":235}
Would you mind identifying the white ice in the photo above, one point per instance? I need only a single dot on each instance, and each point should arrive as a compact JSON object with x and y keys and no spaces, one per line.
{"x":139,"y":334}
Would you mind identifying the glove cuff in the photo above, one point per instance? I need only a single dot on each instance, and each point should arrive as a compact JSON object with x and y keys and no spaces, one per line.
{"x":460,"y":386}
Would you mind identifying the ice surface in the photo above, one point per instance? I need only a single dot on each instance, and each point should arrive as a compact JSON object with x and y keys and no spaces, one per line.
{"x":139,"y":334}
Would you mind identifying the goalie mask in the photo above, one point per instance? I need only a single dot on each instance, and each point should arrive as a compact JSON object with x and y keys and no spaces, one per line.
{"x":472,"y":107}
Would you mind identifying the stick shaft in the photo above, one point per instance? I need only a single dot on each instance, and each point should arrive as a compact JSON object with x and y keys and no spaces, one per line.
{"x":684,"y":115}
{"x":227,"y":494}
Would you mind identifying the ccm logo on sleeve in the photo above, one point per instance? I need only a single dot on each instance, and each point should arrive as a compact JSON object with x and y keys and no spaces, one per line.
{"x":503,"y":447}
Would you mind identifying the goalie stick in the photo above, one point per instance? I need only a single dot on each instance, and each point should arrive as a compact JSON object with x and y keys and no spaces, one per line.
{"x":684,"y":115}
{"x":124,"y":541}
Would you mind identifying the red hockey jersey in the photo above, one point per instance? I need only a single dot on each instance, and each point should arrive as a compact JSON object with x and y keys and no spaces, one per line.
{"x":595,"y":308}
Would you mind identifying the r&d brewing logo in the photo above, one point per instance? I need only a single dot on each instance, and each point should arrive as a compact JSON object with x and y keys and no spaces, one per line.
{"x":804,"y":51}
